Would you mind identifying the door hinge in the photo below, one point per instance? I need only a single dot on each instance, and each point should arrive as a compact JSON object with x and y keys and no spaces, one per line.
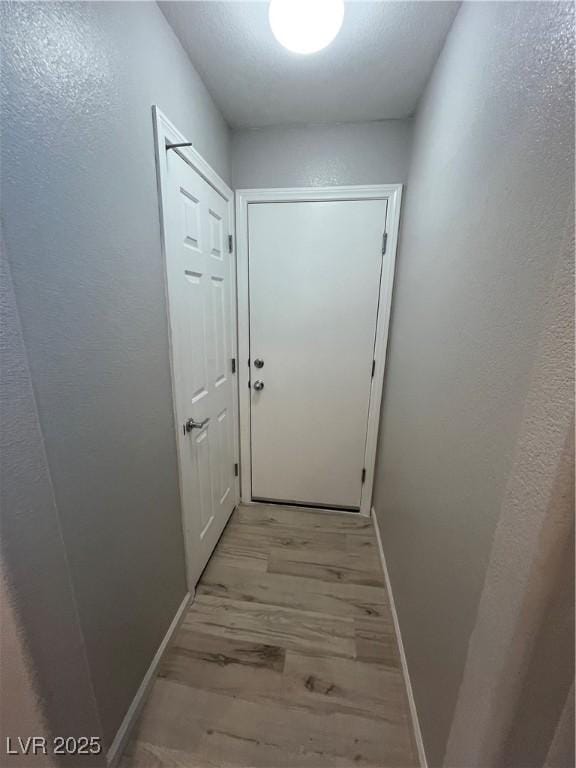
{"x":230,"y":243}
{"x":235,"y":470}
{"x":373,"y":367}
{"x":363,"y":475}
{"x":384,"y":242}
{"x":233,"y":364}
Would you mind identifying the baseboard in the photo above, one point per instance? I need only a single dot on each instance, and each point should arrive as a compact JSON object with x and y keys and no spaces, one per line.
{"x":123,"y":733}
{"x":411,"y":702}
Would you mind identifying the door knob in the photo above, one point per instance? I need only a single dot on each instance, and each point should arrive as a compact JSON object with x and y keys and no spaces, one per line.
{"x":191,"y":424}
{"x":259,"y":363}
{"x":258,"y":385}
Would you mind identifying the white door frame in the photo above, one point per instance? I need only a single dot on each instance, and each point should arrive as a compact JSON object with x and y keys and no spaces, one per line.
{"x":393,"y":194}
{"x":166,"y":133}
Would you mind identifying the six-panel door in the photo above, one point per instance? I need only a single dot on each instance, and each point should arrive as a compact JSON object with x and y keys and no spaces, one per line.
{"x":200,"y":287}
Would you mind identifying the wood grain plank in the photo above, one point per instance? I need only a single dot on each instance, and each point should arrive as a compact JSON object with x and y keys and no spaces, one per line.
{"x":224,"y":652}
{"x":242,"y":755}
{"x":286,"y":659}
{"x":337,"y":599}
{"x":272,"y":625}
{"x":248,"y":671}
{"x":324,"y":685}
{"x":376,"y":641}
{"x":332,"y":685}
{"x":309,"y":520}
{"x":347,"y":568}
{"x":363,"y":545}
{"x":256,"y":538}
{"x":142,"y":754}
{"x":238,"y":559}
{"x":249,"y":733}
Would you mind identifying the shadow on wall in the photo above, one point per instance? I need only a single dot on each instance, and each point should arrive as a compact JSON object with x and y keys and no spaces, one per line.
{"x":49,"y":675}
{"x":479,"y":386}
{"x":537,"y":735}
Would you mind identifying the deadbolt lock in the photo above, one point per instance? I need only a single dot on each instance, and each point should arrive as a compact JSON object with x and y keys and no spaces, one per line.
{"x":259,"y":363}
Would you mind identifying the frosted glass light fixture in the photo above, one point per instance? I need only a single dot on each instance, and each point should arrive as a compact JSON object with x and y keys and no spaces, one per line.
{"x":306,"y":26}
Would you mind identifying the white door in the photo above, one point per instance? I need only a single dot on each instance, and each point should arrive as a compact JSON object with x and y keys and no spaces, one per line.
{"x":314,"y":277}
{"x":200,"y":274}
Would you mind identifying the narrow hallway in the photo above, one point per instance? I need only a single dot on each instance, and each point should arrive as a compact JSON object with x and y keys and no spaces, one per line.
{"x":286,"y":657}
{"x":287,"y":372}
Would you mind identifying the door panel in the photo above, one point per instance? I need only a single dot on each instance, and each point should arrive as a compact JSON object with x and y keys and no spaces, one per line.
{"x":314,"y":274}
{"x":202,"y":475}
{"x":201,"y":293}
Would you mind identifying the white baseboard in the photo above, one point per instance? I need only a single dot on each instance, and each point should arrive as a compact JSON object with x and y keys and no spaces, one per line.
{"x":121,"y":738}
{"x":411,"y":702}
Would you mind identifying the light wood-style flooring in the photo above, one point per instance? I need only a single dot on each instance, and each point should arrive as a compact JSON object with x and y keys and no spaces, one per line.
{"x":287,"y":656}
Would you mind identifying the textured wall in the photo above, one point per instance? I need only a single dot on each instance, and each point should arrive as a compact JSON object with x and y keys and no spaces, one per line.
{"x":488,"y":205}
{"x":53,"y":693}
{"x":21,"y":710}
{"x":322,"y":155}
{"x":548,"y":679}
{"x":520,"y":661}
{"x":82,"y":234}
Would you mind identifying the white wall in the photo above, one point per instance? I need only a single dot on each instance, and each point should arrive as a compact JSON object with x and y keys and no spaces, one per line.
{"x":322,"y":155}
{"x":81,"y":227}
{"x":486,"y":236}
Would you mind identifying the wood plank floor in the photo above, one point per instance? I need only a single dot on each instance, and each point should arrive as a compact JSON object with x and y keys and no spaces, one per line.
{"x":287,"y":657}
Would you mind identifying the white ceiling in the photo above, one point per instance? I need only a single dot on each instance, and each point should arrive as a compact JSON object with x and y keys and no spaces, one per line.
{"x":375,"y":69}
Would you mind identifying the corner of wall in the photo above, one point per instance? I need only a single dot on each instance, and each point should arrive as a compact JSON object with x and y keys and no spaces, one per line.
{"x":39,"y":586}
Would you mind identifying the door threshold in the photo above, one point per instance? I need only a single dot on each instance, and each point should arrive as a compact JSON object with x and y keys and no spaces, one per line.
{"x":301,"y":505}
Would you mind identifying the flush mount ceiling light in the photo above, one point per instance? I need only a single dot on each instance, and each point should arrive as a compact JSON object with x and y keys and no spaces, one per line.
{"x":306,"y":26}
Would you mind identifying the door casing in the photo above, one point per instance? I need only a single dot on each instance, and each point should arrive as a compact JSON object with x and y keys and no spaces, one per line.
{"x":166,"y":133}
{"x":393,"y":194}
